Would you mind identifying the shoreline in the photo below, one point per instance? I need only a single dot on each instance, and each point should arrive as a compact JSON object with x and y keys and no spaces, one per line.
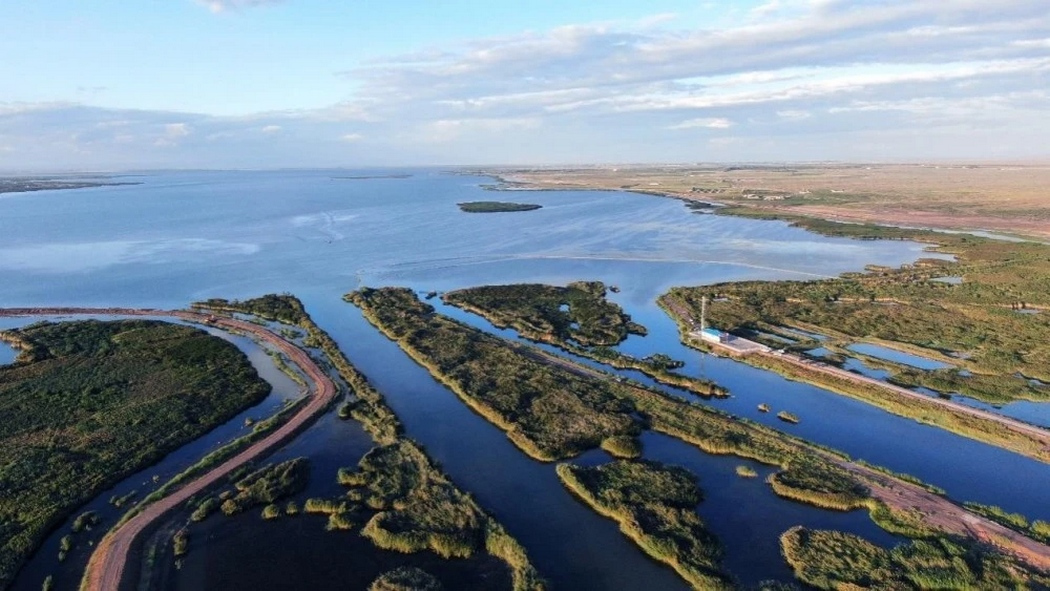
{"x":510,"y":182}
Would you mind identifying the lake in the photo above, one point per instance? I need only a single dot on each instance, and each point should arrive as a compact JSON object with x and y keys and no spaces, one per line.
{"x":185,"y":236}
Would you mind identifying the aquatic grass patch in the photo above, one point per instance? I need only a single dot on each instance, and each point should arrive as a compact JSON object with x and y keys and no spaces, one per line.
{"x":838,"y":560}
{"x":577,"y":318}
{"x":576,"y":312}
{"x":416,"y":507}
{"x":548,"y":413}
{"x":655,"y":506}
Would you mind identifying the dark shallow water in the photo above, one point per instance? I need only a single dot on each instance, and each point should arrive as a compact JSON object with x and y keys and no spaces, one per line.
{"x":186,"y":236}
{"x":7,"y":354}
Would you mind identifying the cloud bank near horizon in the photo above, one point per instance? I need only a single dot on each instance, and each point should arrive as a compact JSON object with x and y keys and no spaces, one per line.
{"x":806,"y":80}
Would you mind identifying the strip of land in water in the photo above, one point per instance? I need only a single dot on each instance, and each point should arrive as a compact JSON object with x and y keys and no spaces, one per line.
{"x":27,"y":185}
{"x":496,"y":206}
{"x":481,"y":368}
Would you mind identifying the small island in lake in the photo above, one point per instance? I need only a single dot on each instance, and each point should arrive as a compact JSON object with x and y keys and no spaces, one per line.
{"x":496,"y":206}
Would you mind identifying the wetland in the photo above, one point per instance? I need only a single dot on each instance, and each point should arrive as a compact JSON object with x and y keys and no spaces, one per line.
{"x":338,"y":237}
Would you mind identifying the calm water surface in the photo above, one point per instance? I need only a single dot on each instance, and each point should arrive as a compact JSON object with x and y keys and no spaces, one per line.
{"x":7,"y":354}
{"x":895,"y":356}
{"x":186,"y":236}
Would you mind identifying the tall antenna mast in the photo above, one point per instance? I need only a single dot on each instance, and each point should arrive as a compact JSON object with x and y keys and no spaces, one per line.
{"x":703,"y":313}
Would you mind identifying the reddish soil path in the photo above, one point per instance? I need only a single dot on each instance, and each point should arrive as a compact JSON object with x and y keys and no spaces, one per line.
{"x":938,"y":512}
{"x":1039,"y":434}
{"x":107,"y":565}
{"x":946,"y":516}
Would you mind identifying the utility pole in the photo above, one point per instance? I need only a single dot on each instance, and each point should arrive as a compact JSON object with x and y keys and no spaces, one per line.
{"x":703,"y":313}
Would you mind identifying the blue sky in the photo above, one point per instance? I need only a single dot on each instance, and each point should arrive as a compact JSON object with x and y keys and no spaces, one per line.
{"x":270,"y":83}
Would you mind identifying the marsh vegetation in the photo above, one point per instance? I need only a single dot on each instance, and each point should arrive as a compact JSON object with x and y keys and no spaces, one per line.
{"x":577,"y":312}
{"x":546,"y":411}
{"x":506,"y":382}
{"x":91,"y":402}
{"x":655,"y":505}
{"x":397,"y":496}
{"x":496,"y":206}
{"x":577,"y":318}
{"x":837,"y":560}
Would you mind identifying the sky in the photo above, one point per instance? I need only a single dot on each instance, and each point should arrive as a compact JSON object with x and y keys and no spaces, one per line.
{"x":115,"y":85}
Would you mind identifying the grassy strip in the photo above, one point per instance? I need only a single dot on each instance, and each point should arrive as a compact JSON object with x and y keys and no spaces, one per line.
{"x":588,"y":327}
{"x":259,"y":430}
{"x":547,"y":412}
{"x":1037,"y":530}
{"x":91,"y":402}
{"x":417,"y":507}
{"x":577,"y":312}
{"x":930,"y":413}
{"x":837,"y":560}
{"x":281,"y":364}
{"x":368,"y":407}
{"x":496,"y":206}
{"x":655,"y":507}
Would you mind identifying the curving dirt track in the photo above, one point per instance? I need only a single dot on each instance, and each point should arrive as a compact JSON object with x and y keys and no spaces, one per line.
{"x":107,"y":565}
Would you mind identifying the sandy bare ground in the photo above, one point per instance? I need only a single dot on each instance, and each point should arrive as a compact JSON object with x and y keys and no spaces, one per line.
{"x":1006,"y":197}
{"x":105,"y":570}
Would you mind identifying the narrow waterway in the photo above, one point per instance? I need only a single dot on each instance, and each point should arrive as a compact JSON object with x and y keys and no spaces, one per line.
{"x":969,"y":470}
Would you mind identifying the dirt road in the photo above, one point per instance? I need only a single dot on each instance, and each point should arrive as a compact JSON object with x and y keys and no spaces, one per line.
{"x":937,"y":511}
{"x":1039,"y":434}
{"x":107,"y":565}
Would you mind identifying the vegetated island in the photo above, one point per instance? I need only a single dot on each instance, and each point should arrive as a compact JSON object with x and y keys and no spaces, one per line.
{"x":88,"y":403}
{"x":655,"y":505}
{"x":25,"y":185}
{"x":989,"y":348}
{"x":496,"y":206}
{"x":577,"y":318}
{"x":398,"y":496}
{"x":554,"y":408}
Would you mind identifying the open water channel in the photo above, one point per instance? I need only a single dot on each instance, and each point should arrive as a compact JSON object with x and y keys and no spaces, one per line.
{"x":184,"y":236}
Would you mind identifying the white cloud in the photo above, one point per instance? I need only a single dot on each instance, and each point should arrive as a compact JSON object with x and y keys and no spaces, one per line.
{"x":176,"y":130}
{"x":224,"y":5}
{"x":708,"y":122}
{"x":619,"y":90}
